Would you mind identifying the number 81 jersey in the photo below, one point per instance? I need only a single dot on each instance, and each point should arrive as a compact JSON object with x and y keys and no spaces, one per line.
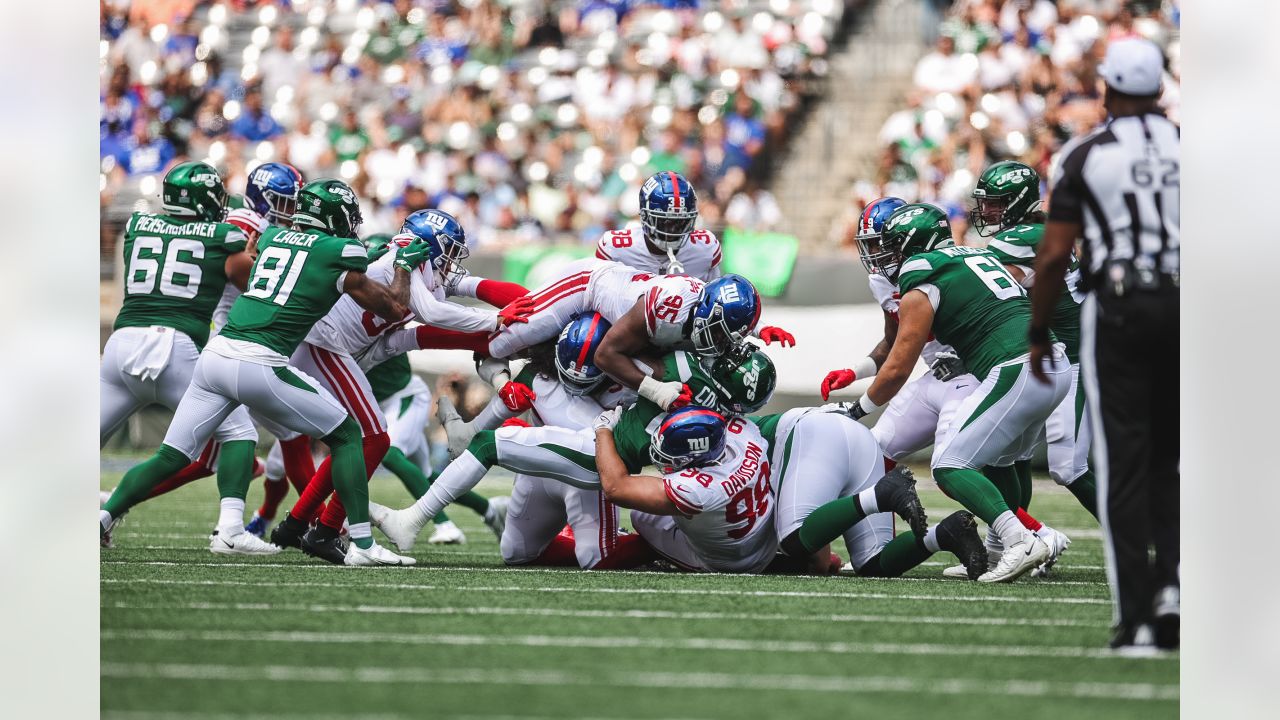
{"x":727,"y":509}
{"x":174,"y":273}
{"x":699,"y":256}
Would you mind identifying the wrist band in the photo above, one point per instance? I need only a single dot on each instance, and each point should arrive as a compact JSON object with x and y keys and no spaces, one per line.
{"x":864,"y":368}
{"x":867,"y":404}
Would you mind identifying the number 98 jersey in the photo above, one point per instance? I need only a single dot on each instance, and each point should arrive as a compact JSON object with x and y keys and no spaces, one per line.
{"x":727,"y":509}
{"x":698,"y":257}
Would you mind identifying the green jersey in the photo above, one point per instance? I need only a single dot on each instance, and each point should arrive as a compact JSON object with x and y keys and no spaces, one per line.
{"x":632,"y":433}
{"x":174,"y":272}
{"x":1018,"y":246}
{"x":390,"y":377}
{"x":979,"y":310}
{"x":296,"y":280}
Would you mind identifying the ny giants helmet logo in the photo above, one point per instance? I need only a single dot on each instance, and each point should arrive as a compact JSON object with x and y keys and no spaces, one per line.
{"x":700,"y":444}
{"x":260,"y":178}
{"x":436,"y":220}
{"x":729,"y":293}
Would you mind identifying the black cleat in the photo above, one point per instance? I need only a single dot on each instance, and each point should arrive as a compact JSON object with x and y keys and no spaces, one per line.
{"x":323,"y":542}
{"x":896,"y":493}
{"x":958,"y":535}
{"x":1168,"y":617}
{"x":288,"y":534}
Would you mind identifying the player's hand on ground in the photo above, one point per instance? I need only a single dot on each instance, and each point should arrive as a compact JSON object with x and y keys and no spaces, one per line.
{"x":517,"y":311}
{"x":771,"y":334}
{"x":518,"y":397}
{"x":835,"y":380}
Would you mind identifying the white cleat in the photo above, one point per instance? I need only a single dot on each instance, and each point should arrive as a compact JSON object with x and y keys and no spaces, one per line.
{"x":104,"y":496}
{"x":447,"y":533}
{"x":1020,"y":557}
{"x":1057,"y":542}
{"x":394,"y":525}
{"x":375,"y":556}
{"x":496,"y":517}
{"x":242,"y":543}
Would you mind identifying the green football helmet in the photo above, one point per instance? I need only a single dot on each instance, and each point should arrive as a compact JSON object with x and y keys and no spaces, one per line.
{"x":329,"y":205}
{"x":744,"y":382}
{"x":194,"y":190}
{"x":911,"y":230}
{"x":1006,"y":193}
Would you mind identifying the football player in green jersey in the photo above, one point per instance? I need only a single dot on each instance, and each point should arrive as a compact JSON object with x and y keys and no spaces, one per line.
{"x":1008,"y":196}
{"x":176,"y":265}
{"x":297,"y":277}
{"x":965,"y":297}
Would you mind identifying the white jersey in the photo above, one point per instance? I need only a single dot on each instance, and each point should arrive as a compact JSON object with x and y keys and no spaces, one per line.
{"x":349,"y":328}
{"x":698,"y":257}
{"x":252,"y":224}
{"x":727,"y":509}
{"x":668,"y":299}
{"x":886,"y":294}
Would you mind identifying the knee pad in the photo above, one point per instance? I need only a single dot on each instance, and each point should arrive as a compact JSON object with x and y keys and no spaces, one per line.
{"x":484,"y":446}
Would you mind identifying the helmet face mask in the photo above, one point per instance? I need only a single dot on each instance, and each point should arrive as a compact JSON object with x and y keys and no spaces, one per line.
{"x":668,"y":210}
{"x":691,"y":436}
{"x":575,"y":353}
{"x":1005,"y":194}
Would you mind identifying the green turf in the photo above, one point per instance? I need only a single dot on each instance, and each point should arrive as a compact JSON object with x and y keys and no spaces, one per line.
{"x":462,"y":636}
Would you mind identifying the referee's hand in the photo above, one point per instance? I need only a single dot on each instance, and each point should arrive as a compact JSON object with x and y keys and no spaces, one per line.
{"x":1040,"y":353}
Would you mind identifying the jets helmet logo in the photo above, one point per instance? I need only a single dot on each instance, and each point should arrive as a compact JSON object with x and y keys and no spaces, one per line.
{"x":342,"y":192}
{"x":905,"y":217}
{"x":205,"y":179}
{"x":1015,"y":176}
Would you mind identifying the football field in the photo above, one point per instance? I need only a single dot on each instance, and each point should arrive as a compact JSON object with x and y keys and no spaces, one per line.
{"x":189,"y":634}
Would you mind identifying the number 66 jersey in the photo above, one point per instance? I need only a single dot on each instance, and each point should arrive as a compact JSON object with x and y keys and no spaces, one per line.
{"x":726,"y":521}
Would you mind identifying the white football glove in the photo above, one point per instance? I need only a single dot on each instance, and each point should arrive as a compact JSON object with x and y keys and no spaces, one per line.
{"x":459,"y":433}
{"x":948,"y":365}
{"x":607,"y":420}
{"x":661,"y":393}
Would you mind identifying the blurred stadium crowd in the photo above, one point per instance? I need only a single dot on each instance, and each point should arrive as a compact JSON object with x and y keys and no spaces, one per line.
{"x":1006,"y":79}
{"x":529,"y":120}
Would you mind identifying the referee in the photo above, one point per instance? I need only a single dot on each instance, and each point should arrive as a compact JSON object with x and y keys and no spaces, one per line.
{"x":1117,"y":189}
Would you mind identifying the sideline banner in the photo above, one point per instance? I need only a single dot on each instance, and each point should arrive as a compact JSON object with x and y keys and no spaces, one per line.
{"x":766,"y":259}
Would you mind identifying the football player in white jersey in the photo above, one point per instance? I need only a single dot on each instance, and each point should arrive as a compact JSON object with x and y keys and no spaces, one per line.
{"x":665,"y":243}
{"x":712,"y":508}
{"x":331,"y":347}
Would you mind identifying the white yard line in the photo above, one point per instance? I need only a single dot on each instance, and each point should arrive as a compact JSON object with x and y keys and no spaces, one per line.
{"x":615,"y":591}
{"x":184,"y":715}
{"x":667,"y":681}
{"x":631,"y":614}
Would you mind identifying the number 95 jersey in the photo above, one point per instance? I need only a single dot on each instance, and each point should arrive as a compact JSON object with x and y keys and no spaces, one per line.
{"x":727,"y":509}
{"x":698,"y":257}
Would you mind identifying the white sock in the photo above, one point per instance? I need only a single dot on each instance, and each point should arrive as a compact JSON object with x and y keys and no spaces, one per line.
{"x":359,"y":530}
{"x":993,"y":537}
{"x":867,"y":499}
{"x":231,"y":516}
{"x":1009,"y":528}
{"x":461,"y":475}
{"x":104,"y":519}
{"x":931,"y":540}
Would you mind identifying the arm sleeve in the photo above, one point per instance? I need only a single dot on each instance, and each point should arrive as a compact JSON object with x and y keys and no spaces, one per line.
{"x":442,"y":313}
{"x":498,"y":293}
{"x":602,"y":249}
{"x":467,"y":286}
{"x":390,"y":344}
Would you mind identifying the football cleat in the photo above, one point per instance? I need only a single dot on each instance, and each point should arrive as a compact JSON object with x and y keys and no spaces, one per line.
{"x":1057,"y":543}
{"x":288,"y":534}
{"x":1136,"y":642}
{"x":447,"y":533}
{"x":496,"y":516}
{"x":323,"y":542}
{"x":1168,"y":617}
{"x":258,"y":525}
{"x":375,"y":556}
{"x":896,"y":493}
{"x":394,"y":525}
{"x":241,"y":543}
{"x":958,"y":535}
{"x":1017,"y":559}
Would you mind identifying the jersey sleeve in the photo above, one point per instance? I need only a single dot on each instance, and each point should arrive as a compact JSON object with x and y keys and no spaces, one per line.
{"x":526,"y":375}
{"x":915,"y":272}
{"x":234,"y":238}
{"x":353,"y":257}
{"x":432,"y":310}
{"x":247,"y":220}
{"x":1014,"y":248}
{"x":603,"y":246}
{"x":666,"y":308}
{"x":683,"y":492}
{"x":713,"y":249}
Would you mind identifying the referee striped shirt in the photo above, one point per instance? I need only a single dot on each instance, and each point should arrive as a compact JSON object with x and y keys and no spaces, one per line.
{"x":1120,"y":183}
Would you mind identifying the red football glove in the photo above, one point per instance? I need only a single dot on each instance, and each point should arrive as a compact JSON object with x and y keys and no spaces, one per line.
{"x":770,"y":334}
{"x":517,"y":311}
{"x":835,"y":380}
{"x":518,"y":397}
{"x":684,"y":398}
{"x":514,"y":422}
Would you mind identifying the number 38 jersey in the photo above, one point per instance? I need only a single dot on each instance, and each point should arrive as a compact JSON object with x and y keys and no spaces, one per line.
{"x":699,"y":256}
{"x":978,"y":307}
{"x":727,"y":509}
{"x":296,"y":280}
{"x":174,"y":272}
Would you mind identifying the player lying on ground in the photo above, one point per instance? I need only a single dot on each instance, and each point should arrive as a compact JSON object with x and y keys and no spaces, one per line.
{"x":965,"y":297}
{"x":298,"y":276}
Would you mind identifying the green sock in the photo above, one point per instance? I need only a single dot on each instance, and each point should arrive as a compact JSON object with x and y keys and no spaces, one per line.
{"x":142,"y":479}
{"x":415,"y":481}
{"x":824,"y":524}
{"x":1023,"y":469}
{"x":1005,"y":479}
{"x":349,"y":478}
{"x":235,"y":468}
{"x":474,"y":501}
{"x":1085,"y":488}
{"x":973,"y":491}
{"x":897,"y":557}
